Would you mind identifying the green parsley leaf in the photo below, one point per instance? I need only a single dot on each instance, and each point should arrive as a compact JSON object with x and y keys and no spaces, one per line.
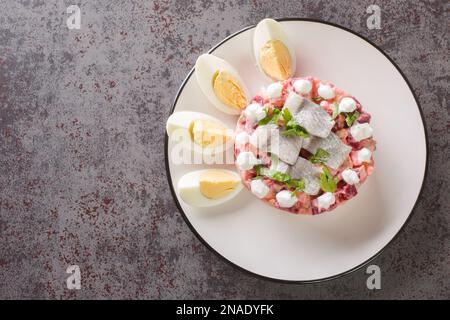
{"x":265,"y":120}
{"x":276,"y":113}
{"x":289,"y":133}
{"x":320,"y":156}
{"x":294,"y":129}
{"x":351,"y":118}
{"x":317,"y":99}
{"x":287,"y":116}
{"x":328,"y":182}
{"x":270,"y":118}
{"x":335,"y":108}
{"x":297,"y":184}
{"x":258,"y":169}
{"x":280,"y":176}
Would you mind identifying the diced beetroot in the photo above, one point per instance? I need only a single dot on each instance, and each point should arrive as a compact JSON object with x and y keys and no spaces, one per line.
{"x":345,"y":193}
{"x":352,"y":142}
{"x":278,"y":102}
{"x":358,"y":105}
{"x":314,"y":207}
{"x":369,"y":144}
{"x":305,"y":153}
{"x":339,"y":123}
{"x":258,"y":99}
{"x":370,"y":167}
{"x":354,"y":158}
{"x":364,"y":117}
{"x":362,"y":173}
{"x":303,"y":205}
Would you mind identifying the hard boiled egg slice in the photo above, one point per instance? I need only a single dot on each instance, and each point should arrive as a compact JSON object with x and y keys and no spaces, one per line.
{"x":199,"y":132}
{"x":221,"y":84}
{"x":273,"y":51}
{"x":210,"y":187}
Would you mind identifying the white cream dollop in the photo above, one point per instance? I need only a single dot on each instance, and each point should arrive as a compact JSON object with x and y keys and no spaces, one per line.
{"x":285,"y":199}
{"x":302,"y":86}
{"x":364,"y":155}
{"x":241,"y":139}
{"x":274,"y":90}
{"x":259,"y":188}
{"x":326,"y":200}
{"x":246,"y":160}
{"x":350,"y":176}
{"x":361,"y":131}
{"x":347,"y":104}
{"x":325,"y":91}
{"x":255,"y":112}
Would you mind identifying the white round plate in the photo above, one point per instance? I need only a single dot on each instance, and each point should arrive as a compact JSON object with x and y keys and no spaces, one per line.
{"x":274,"y":244}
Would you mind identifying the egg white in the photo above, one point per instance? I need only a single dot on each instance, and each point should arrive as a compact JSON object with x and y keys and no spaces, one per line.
{"x":269,"y":29}
{"x":177,"y":127}
{"x":188,"y":188}
{"x":205,"y":68}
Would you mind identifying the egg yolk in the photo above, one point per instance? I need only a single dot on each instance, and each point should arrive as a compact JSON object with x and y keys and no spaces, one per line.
{"x":275,"y":60}
{"x":228,"y":90}
{"x":208,"y":133}
{"x":216,"y":184}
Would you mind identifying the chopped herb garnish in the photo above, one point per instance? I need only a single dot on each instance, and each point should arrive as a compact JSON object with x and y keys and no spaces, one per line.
{"x":275,"y":115}
{"x":258,"y":169}
{"x":270,"y":118}
{"x":317,"y":99}
{"x":320,"y":156}
{"x":265,"y":120}
{"x":294,"y":129}
{"x":287,"y":116}
{"x":280,"y":176}
{"x":328,"y":182}
{"x":351,"y":118}
{"x":297,"y":184}
{"x":335,"y":108}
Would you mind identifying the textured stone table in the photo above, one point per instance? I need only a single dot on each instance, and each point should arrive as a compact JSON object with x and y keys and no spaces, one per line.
{"x":82,"y":177}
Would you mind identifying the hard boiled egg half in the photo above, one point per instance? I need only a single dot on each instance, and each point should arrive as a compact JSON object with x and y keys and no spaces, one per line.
{"x":199,"y":132}
{"x":273,"y":51}
{"x":210,"y":187}
{"x":221,"y":84}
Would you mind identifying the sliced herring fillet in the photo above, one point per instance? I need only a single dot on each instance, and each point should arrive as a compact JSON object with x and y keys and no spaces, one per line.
{"x":286,"y":148}
{"x":310,"y":116}
{"x":276,"y":165}
{"x":268,"y":138}
{"x":303,"y":169}
{"x":333,"y":145}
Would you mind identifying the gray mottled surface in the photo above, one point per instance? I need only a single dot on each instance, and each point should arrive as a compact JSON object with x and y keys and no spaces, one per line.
{"x":82,"y":177}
